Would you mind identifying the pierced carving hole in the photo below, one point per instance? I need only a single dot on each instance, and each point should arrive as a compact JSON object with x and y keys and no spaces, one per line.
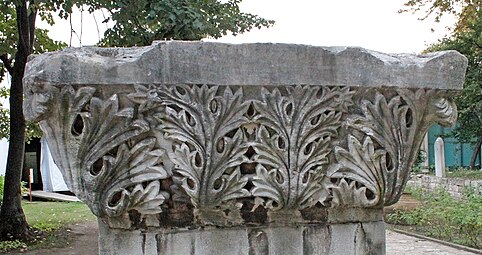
{"x":334,"y":180}
{"x":226,"y":212}
{"x":213,"y":106}
{"x":115,"y":199}
{"x":409,"y":118}
{"x":250,"y":152}
{"x":180,"y":90}
{"x":315,"y":120}
{"x":319,"y":93}
{"x":248,"y":168}
{"x":217,"y":183}
{"x":190,"y":119}
{"x":275,"y":204}
{"x":279,"y":177}
{"x":97,"y":167}
{"x":249,"y":185}
{"x":308,"y":149}
{"x":251,"y":112}
{"x":289,"y":109}
{"x":190,"y":183}
{"x":197,"y":160}
{"x":231,"y":133}
{"x":77,"y":126}
{"x":281,"y":143}
{"x":306,"y":176}
{"x":369,"y":194}
{"x":220,"y":145}
{"x":388,"y":161}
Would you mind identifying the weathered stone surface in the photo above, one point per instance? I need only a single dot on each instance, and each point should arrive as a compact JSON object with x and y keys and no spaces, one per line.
{"x":207,"y":148}
{"x":248,"y":64}
{"x":346,"y":239}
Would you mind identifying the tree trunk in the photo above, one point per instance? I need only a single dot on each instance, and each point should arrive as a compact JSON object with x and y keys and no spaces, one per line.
{"x":13,"y":222}
{"x":475,"y":153}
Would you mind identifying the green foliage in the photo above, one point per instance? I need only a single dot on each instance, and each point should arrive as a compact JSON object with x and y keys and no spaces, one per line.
{"x":444,"y":217}
{"x":33,"y":129}
{"x":419,"y":164}
{"x":11,"y":245}
{"x":8,"y":49}
{"x":141,"y":22}
{"x":465,"y":11}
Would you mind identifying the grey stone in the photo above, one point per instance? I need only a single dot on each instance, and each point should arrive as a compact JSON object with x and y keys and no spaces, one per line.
{"x":257,"y":64}
{"x":207,"y":148}
{"x":348,"y":238}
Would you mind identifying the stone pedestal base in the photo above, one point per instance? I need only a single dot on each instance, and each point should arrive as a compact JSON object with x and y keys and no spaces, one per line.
{"x":346,"y":239}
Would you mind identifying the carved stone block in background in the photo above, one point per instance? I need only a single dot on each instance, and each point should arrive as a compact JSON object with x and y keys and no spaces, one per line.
{"x":201,"y":148}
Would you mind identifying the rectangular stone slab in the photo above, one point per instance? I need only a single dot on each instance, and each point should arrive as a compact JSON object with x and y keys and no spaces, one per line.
{"x":212,"y":63}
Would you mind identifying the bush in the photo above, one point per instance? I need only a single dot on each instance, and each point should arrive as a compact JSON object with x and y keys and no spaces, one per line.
{"x":444,"y":217}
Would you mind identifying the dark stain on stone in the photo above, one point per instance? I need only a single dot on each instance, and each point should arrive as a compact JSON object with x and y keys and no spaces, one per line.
{"x":258,"y":216}
{"x":135,"y":218}
{"x":317,"y":213}
{"x":258,"y":242}
{"x":181,"y":216}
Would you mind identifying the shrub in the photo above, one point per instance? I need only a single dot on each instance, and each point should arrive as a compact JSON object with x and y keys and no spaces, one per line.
{"x":444,"y":217}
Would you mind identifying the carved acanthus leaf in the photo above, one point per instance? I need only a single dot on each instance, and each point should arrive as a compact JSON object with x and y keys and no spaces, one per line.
{"x":127,"y":170}
{"x":360,"y":164}
{"x":293,"y":142}
{"x":209,"y":143}
{"x":397,"y":126}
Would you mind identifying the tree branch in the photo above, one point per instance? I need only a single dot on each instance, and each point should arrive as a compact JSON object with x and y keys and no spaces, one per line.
{"x":22,"y":24}
{"x":7,"y":63}
{"x":31,"y":26}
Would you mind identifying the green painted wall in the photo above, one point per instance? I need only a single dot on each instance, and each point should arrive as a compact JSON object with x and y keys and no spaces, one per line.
{"x":456,"y":153}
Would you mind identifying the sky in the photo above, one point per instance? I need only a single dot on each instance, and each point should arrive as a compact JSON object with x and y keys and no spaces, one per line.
{"x":371,"y":24}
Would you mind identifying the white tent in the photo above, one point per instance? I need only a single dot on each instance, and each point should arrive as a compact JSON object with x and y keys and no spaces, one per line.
{"x":51,"y":177}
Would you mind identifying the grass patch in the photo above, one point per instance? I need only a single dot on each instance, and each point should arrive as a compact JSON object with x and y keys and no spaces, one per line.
{"x":50,"y":216}
{"x":52,"y":220}
{"x":443,"y":217}
{"x":465,"y":173}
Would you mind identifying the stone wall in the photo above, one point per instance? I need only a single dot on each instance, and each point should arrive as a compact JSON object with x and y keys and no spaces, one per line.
{"x":454,"y":186}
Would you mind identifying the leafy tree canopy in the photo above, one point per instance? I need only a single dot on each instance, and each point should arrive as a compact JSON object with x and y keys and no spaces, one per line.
{"x":465,"y":11}
{"x":8,"y":50}
{"x":140,"y":22}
